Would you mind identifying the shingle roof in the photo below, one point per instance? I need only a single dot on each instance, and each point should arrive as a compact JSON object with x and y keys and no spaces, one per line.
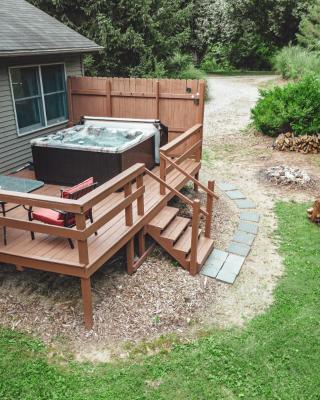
{"x":25,"y":30}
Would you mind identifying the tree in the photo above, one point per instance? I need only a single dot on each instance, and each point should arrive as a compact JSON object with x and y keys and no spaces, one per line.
{"x":309,"y":35}
{"x":139,"y":36}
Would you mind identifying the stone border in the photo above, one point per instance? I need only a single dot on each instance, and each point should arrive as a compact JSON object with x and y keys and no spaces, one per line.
{"x":226,"y":265}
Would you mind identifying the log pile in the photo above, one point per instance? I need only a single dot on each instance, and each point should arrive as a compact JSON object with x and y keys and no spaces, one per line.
{"x":302,"y":144}
{"x":314,"y":212}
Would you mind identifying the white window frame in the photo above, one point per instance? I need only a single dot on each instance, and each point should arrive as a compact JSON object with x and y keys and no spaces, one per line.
{"x":46,"y":126}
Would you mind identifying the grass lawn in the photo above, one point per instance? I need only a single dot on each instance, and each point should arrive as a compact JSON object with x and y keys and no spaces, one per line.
{"x":277,"y":355}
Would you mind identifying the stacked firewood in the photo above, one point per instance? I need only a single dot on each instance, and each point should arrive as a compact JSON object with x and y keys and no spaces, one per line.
{"x":314,"y":212}
{"x":302,"y":144}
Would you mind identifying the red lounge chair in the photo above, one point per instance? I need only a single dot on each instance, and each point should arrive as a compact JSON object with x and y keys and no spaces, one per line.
{"x":61,"y":218}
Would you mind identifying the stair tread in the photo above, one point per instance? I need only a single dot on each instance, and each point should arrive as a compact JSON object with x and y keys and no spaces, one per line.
{"x":165,"y":216}
{"x":184,"y":242}
{"x":175,"y":228}
{"x":204,"y":249}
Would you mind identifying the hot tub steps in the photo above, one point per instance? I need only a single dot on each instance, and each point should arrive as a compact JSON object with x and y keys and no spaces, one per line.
{"x":174,"y":234}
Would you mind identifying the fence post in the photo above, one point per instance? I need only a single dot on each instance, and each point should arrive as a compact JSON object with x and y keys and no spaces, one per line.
{"x":70,"y":103}
{"x":128,"y":210}
{"x":194,"y":237}
{"x":163,"y":173}
{"x":140,"y":200}
{"x":209,"y":210}
{"x":82,"y":244}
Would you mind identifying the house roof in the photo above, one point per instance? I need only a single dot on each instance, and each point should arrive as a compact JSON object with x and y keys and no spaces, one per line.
{"x":26,"y":30}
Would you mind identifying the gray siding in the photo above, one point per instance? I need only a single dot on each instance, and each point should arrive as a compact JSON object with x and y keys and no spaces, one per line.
{"x":14,"y":150}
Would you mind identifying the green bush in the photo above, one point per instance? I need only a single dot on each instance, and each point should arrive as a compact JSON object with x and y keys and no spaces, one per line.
{"x":294,"y":107}
{"x":294,"y":62}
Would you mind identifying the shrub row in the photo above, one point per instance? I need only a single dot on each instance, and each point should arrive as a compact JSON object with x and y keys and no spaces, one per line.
{"x":294,"y":107}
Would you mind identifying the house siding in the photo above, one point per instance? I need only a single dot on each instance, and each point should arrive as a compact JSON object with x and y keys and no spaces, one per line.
{"x":15,"y":151}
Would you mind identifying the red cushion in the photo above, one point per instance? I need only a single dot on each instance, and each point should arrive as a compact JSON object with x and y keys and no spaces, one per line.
{"x":48,"y":216}
{"x":67,"y":192}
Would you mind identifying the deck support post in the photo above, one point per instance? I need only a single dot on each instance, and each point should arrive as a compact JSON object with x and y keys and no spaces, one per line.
{"x":209,"y":210}
{"x":193,"y":269}
{"x":141,"y":243}
{"x":130,"y":256}
{"x":87,"y":302}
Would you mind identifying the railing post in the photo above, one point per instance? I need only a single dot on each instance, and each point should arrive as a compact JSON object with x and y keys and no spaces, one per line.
{"x":163,"y":173}
{"x":128,"y":210}
{"x":199,"y":149}
{"x":209,"y":210}
{"x":194,"y":237}
{"x":140,"y":200}
{"x":82,"y":244}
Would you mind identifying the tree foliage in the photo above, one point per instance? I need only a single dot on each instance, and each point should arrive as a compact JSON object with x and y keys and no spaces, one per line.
{"x":309,"y":35}
{"x":164,"y":37}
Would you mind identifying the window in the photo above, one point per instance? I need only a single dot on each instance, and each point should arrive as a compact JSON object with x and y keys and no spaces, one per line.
{"x":39,"y":96}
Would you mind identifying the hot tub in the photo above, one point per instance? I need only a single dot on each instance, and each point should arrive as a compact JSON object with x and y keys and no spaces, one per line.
{"x":98,"y":147}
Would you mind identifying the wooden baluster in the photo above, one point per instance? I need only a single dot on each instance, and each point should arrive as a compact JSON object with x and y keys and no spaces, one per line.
{"x":209,"y":210}
{"x":87,"y":302}
{"x":82,"y":244}
{"x":128,"y":210}
{"x":163,"y":172}
{"x":198,"y":154}
{"x":140,"y":200}
{"x":194,"y":237}
{"x":141,"y":243}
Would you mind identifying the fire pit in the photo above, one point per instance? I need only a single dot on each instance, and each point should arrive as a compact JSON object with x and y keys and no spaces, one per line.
{"x":285,"y":175}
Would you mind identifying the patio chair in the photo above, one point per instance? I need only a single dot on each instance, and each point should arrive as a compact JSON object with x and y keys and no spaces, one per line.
{"x":62,"y":218}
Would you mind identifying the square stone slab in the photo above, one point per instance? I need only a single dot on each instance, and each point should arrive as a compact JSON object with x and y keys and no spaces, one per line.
{"x":248,"y":227}
{"x":235,"y":194}
{"x":226,"y":277}
{"x":214,"y":263}
{"x":226,"y":186}
{"x":249,"y":216}
{"x":233,"y":264}
{"x":239,"y":248}
{"x":243,"y":237}
{"x":245,"y":203}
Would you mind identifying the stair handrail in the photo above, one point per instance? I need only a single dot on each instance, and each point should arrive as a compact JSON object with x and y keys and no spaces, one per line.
{"x":193,"y":179}
{"x":176,"y":192}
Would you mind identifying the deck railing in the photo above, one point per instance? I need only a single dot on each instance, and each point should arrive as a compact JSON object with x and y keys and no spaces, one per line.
{"x":81,"y":232}
{"x":188,"y":145}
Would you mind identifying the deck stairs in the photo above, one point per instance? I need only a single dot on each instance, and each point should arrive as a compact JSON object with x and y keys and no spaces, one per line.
{"x":173,"y":234}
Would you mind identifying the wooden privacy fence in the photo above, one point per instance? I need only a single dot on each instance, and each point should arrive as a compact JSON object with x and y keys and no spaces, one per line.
{"x":179,"y":104}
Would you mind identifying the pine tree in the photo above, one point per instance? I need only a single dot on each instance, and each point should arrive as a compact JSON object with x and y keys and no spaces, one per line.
{"x":309,"y":35}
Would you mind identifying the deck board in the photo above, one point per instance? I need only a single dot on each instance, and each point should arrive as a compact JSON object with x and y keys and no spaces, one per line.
{"x":109,"y":236}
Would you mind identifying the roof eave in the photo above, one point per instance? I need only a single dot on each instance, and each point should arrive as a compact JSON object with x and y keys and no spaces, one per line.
{"x":39,"y":52}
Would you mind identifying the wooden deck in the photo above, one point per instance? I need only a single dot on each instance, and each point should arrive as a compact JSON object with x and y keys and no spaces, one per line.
{"x":124,"y":209}
{"x":111,"y":237}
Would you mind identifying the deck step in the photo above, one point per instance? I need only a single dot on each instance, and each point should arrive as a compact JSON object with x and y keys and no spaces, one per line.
{"x":183,"y":245}
{"x":175,"y":229}
{"x":163,"y":219}
{"x":205,"y":247}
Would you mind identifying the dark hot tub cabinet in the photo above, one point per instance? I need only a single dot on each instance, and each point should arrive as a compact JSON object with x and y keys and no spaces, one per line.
{"x":98,"y":147}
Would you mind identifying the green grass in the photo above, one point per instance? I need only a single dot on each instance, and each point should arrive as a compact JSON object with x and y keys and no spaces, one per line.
{"x":276,"y":356}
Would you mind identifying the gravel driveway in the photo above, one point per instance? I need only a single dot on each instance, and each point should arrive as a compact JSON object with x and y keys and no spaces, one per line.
{"x":230,"y":101}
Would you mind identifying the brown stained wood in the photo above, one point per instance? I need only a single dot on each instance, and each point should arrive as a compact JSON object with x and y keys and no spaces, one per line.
{"x":128,"y":209}
{"x":183,"y":245}
{"x":87,"y":302}
{"x":82,"y":244}
{"x":209,"y":209}
{"x":163,"y":175}
{"x":194,"y":237}
{"x":163,"y":218}
{"x":175,"y":229}
{"x":205,"y":247}
{"x":130,"y":256}
{"x":164,"y":99}
{"x":140,"y":200}
{"x":141,"y":243}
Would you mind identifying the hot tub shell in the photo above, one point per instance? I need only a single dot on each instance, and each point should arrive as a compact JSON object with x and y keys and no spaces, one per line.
{"x":62,"y":165}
